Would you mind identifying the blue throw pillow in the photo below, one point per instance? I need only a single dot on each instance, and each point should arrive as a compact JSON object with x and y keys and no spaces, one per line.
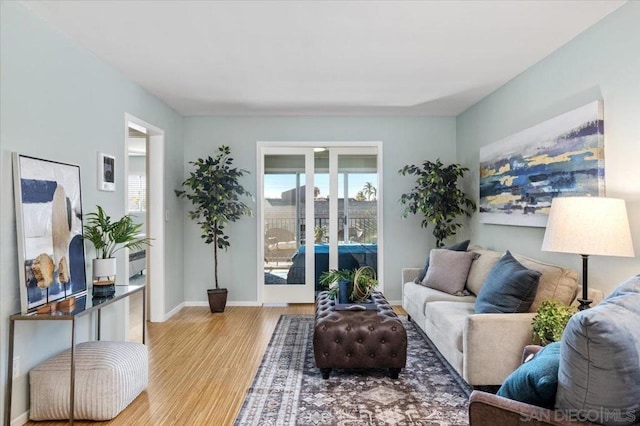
{"x":536,"y":381}
{"x":461,"y":246}
{"x":509,"y":288}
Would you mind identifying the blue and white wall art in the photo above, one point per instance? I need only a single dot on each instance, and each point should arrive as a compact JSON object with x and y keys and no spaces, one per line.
{"x":522,"y":173}
{"x":49,"y":225}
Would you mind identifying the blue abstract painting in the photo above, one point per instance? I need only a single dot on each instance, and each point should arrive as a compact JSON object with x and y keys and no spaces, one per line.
{"x":522,"y":173}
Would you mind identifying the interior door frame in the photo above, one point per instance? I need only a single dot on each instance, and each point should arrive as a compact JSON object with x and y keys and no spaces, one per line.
{"x":346,"y":147}
{"x":155,"y":216}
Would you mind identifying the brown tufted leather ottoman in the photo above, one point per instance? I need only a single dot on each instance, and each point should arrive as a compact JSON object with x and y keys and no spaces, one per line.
{"x":360,"y":339}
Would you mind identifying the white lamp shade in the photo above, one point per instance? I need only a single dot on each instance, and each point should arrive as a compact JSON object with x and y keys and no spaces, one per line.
{"x":588,"y":225}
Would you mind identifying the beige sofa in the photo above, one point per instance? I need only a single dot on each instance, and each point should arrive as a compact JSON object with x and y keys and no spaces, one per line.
{"x":483,"y":348}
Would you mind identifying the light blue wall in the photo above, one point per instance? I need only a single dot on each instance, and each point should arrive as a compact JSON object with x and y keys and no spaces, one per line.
{"x":405,"y":140}
{"x":60,"y":102}
{"x":601,"y":63}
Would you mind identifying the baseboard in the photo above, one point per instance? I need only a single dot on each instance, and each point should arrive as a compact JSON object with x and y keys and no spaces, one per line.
{"x":230,"y":303}
{"x":21,"y":419}
{"x":174,"y":311}
{"x":196,"y":303}
{"x":243,"y":304}
{"x":395,"y":302}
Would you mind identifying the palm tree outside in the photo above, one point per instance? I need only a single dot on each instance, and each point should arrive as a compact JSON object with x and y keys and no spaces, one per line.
{"x":369,"y":191}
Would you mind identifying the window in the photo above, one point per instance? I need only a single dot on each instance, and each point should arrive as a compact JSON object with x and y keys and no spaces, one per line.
{"x":137,"y":192}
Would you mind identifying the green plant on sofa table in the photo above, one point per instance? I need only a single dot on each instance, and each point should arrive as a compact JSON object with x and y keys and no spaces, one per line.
{"x":363,"y":282}
{"x":550,"y":321}
{"x":437,"y":197}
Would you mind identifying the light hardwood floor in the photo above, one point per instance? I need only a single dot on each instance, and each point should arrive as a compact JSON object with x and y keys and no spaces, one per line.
{"x":135,"y":318}
{"x":201,"y":365}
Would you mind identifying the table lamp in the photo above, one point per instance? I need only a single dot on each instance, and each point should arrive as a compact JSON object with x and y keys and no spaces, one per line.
{"x":586,"y":226}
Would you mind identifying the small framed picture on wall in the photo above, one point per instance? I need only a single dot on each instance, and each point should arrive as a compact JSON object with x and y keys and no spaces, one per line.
{"x":106,"y":172}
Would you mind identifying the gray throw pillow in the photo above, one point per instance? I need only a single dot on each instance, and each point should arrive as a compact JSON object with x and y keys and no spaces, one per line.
{"x":599,"y":373}
{"x":461,"y":246}
{"x":448,"y":270}
{"x":509,"y":288}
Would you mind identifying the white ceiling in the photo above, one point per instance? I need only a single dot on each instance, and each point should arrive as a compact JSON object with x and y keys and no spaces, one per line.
{"x":322,"y":57}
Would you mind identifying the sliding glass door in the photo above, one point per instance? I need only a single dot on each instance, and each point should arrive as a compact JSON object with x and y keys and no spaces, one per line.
{"x":318,"y":210}
{"x":288,"y":182}
{"x":354,"y":234}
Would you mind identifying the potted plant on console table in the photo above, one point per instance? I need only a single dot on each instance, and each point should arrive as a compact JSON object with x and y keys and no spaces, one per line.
{"x":108,"y":237}
{"x":215,"y":192}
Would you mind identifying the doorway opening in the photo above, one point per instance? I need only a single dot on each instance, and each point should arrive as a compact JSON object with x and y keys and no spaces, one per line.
{"x":136,"y":174}
{"x":144,"y":198}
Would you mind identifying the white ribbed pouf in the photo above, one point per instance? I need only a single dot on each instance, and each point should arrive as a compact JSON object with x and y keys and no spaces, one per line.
{"x":109,"y":375}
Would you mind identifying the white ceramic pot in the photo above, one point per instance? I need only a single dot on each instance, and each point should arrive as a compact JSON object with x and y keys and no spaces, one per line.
{"x":104,"y":271}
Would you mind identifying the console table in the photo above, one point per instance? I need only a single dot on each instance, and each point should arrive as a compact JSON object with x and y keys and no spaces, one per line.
{"x":84,"y":306}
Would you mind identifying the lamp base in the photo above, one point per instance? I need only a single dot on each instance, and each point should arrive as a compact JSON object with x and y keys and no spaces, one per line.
{"x":584,"y":304}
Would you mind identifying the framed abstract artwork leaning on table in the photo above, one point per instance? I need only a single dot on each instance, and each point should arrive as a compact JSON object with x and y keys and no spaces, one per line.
{"x":49,"y":231}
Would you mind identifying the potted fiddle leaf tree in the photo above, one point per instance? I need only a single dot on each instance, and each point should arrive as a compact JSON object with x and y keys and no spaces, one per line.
{"x":108,"y":236}
{"x":215,"y":192}
{"x":437,"y":197}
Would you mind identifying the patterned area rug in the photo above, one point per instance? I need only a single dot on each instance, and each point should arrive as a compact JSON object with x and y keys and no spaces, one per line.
{"x":289,"y":390}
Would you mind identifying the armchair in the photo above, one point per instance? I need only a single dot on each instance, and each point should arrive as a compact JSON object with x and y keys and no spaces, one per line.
{"x":487,"y":409}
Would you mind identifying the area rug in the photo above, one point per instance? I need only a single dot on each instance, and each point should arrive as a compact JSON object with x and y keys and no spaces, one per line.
{"x":289,"y":390}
